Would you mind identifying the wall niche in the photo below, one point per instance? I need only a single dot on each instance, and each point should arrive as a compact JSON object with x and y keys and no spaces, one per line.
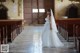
{"x":72,"y":11}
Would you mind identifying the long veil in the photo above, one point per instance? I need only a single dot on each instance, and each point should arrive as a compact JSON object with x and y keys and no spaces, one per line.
{"x":56,"y":42}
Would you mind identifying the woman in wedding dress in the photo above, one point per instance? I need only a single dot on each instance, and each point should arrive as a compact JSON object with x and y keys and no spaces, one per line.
{"x":46,"y":41}
{"x":50,"y":37}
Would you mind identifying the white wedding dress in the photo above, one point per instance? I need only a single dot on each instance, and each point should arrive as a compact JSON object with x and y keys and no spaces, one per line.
{"x":50,"y":37}
{"x":46,"y":41}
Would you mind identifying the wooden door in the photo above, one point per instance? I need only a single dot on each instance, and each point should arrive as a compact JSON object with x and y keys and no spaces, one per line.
{"x":38,"y":17}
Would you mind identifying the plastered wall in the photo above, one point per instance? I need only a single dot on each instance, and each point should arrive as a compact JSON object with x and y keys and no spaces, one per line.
{"x":15,"y":10}
{"x":60,"y":8}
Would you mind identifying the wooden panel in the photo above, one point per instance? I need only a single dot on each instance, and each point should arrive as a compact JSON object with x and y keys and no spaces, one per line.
{"x":27,"y":10}
{"x":28,"y":20}
{"x":27,"y":16}
{"x":49,"y":4}
{"x":41,"y":14}
{"x":35,"y":15}
{"x":27,"y":5}
{"x":34,"y":4}
{"x":41,"y":4}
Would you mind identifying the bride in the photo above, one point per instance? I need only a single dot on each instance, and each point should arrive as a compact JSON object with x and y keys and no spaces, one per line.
{"x":50,"y":37}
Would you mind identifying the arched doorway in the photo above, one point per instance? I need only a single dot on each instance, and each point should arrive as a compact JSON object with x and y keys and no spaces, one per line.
{"x":72,"y":11}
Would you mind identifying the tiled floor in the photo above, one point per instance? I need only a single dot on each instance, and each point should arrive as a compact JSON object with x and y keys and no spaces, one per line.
{"x":29,"y":42}
{"x":58,"y":50}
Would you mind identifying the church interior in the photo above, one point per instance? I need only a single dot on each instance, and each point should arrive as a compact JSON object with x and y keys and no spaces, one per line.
{"x":39,"y":26}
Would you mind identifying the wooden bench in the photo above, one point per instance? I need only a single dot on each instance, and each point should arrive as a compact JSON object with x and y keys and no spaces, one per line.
{"x":77,"y":37}
{"x":62,"y":27}
{"x":9,"y":29}
{"x":67,"y":24}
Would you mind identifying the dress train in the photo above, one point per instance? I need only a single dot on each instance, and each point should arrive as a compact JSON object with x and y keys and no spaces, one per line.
{"x":50,"y":37}
{"x":56,"y":42}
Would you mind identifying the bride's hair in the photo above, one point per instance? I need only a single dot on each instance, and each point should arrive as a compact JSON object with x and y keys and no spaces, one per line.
{"x":48,"y":12}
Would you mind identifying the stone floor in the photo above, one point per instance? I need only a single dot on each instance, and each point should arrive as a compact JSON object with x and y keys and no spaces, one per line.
{"x":29,"y":42}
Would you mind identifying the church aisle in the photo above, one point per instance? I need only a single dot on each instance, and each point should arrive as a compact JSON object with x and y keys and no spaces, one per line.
{"x":29,"y":42}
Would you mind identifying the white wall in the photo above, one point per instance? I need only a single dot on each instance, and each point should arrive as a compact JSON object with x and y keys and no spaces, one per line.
{"x":13,"y":9}
{"x":60,"y":8}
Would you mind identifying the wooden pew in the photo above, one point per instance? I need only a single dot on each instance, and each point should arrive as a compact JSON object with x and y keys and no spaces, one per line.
{"x":62,"y":27}
{"x":76,"y":34}
{"x":67,"y":24}
{"x":73,"y":28}
{"x":9,"y":29}
{"x":77,"y":37}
